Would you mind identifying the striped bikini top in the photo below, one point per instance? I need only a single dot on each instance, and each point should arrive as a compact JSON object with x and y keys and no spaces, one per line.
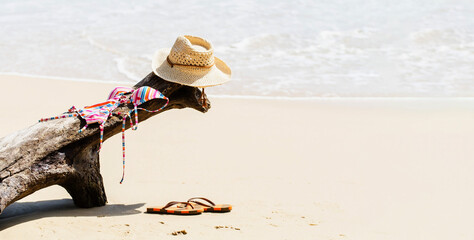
{"x":99,"y":113}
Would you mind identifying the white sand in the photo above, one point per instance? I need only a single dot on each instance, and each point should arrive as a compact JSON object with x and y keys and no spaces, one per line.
{"x":324,"y":169}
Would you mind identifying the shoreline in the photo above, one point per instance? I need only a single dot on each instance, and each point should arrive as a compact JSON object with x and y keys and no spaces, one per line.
{"x":227,"y":96}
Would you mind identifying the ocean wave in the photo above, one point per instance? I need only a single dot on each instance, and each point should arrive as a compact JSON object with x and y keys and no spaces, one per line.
{"x":287,"y":49}
{"x":441,"y":37}
{"x":64,"y":78}
{"x":100,"y":46}
{"x":130,"y":67}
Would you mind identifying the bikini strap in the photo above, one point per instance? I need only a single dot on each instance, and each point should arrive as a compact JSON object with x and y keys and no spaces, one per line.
{"x":58,"y":117}
{"x":123,"y":148}
{"x":135,"y":127}
{"x":84,"y":128}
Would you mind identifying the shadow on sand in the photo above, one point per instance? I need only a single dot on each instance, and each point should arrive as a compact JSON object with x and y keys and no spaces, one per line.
{"x":21,"y":212}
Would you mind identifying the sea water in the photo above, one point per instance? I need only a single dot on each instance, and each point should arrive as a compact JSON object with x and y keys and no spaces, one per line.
{"x":277,"y":48}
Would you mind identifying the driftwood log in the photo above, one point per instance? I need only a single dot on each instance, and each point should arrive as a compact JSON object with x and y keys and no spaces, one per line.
{"x":54,"y":153}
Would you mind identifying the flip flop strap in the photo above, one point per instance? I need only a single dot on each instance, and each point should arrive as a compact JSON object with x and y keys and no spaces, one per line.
{"x":200,"y":203}
{"x":176,"y":203}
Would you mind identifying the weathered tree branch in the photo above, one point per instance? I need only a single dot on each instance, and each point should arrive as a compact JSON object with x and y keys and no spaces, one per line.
{"x":54,"y":153}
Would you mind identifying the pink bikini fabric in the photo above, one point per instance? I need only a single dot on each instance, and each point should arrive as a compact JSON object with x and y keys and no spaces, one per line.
{"x":99,"y":113}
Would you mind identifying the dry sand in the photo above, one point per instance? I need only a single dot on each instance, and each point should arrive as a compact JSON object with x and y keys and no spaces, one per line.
{"x":321,"y":169}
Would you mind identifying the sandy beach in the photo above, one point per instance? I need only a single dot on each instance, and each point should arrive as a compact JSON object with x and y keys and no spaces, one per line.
{"x":331,"y":168}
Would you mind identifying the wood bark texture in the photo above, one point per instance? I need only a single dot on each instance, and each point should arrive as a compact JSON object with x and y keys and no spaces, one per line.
{"x":54,"y":153}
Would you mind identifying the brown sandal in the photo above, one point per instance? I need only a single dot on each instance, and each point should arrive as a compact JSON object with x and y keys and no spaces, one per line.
{"x":182,"y":208}
{"x":210,"y":206}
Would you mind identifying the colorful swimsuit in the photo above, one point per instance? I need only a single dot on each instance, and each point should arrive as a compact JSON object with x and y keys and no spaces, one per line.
{"x":99,"y":113}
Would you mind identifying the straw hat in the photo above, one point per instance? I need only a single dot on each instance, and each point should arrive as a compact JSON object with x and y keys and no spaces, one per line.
{"x":190,"y":62}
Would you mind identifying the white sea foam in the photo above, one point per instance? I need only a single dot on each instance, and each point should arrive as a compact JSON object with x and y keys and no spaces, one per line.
{"x":125,"y":66}
{"x":60,"y":78}
{"x":299,"y":48}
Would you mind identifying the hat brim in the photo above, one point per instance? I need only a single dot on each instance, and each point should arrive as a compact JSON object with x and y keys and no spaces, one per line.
{"x":218,"y":74}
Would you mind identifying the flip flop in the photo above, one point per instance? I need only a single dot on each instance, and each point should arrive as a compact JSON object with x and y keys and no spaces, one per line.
{"x":209,"y":206}
{"x":186,"y":209}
